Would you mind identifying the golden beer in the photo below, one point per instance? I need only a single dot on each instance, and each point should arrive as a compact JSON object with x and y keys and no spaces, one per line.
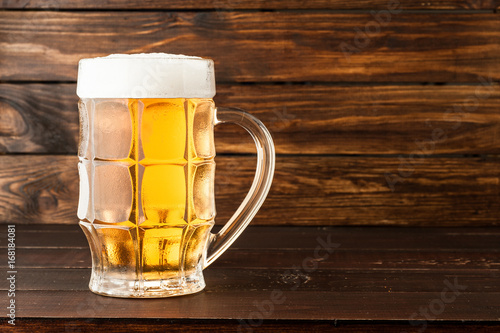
{"x":164,"y":147}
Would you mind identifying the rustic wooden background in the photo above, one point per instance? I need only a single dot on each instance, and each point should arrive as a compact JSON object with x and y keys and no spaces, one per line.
{"x":388,"y":122}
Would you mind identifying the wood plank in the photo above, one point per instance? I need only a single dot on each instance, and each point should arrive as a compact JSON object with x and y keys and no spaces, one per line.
{"x":30,"y":192}
{"x":268,"y":46}
{"x":456,"y":260}
{"x":38,"y":118}
{"x":265,"y":237}
{"x":41,"y":228}
{"x":230,"y":326}
{"x":246,"y":4}
{"x":317,"y":190}
{"x":304,"y":119}
{"x":313,"y":305}
{"x":268,"y":279}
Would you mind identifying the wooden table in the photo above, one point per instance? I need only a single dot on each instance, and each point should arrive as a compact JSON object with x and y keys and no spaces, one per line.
{"x":342,"y":279}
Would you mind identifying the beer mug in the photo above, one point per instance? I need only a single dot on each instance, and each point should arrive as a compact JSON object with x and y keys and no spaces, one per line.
{"x":146,"y":168}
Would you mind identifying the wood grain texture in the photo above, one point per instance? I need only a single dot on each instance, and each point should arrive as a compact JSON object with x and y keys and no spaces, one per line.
{"x":38,"y":118}
{"x":303,"y":119}
{"x":38,"y":192}
{"x":230,"y":326}
{"x":246,"y":4}
{"x":317,"y":190}
{"x":70,"y":236}
{"x":260,"y":46}
{"x":457,"y":261}
{"x":313,"y":305}
{"x":268,"y":279}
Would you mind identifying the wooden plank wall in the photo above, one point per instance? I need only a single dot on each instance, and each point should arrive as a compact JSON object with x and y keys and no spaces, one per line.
{"x":383,"y":112}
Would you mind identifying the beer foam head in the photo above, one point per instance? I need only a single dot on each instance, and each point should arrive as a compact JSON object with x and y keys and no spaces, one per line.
{"x":152,"y":75}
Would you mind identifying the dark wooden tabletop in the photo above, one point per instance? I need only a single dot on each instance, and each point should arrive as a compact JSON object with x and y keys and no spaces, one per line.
{"x":276,"y":278}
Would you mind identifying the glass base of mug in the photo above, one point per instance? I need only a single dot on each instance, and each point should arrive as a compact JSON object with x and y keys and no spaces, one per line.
{"x":117,"y":287}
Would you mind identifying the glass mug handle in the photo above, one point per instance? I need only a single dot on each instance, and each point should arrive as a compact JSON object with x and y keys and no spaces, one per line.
{"x":219,"y":242}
